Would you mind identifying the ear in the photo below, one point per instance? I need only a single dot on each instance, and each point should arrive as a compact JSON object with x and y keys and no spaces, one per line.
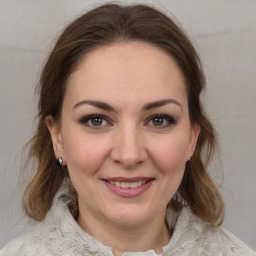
{"x":56,"y":136}
{"x":194,"y":134}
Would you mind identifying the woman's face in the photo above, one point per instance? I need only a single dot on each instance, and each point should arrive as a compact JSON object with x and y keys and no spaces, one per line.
{"x":125,"y":133}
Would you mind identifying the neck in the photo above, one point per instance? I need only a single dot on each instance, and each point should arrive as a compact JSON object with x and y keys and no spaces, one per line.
{"x":152,"y":234}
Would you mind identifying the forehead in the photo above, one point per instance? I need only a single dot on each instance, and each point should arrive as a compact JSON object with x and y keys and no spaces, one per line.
{"x":136,"y":70}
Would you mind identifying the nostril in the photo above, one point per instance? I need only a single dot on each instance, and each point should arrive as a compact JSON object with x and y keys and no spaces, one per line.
{"x":129,"y":163}
{"x":128,"y":152}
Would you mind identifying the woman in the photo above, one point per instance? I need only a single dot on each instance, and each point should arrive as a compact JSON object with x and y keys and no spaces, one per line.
{"x":120,"y":110}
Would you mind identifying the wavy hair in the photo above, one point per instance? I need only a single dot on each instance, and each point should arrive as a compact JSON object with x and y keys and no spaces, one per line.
{"x":104,"y":25}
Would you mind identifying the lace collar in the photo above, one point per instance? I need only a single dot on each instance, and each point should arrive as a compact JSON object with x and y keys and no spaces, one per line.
{"x":75,"y":235}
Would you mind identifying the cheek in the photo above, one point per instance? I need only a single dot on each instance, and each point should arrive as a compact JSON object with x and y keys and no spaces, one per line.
{"x":171,"y":154}
{"x":85,"y":154}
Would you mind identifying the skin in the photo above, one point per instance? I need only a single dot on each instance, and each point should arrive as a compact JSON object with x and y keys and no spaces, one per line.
{"x":128,"y":142}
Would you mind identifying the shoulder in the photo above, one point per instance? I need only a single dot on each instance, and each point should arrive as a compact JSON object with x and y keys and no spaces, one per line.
{"x":33,"y":242}
{"x":194,"y":237}
{"x":58,"y":234}
{"x":30,"y":243}
{"x":42,"y":238}
{"x":23,"y":246}
{"x":217,"y":239}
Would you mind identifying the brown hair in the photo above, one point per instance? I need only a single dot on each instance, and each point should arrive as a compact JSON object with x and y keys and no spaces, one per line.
{"x":108,"y":24}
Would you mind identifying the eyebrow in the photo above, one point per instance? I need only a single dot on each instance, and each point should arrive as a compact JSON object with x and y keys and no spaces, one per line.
{"x":97,"y":104}
{"x":107,"y":107}
{"x":160,"y":103}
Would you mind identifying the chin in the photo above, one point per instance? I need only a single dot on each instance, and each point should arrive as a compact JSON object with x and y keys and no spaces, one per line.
{"x":128,"y":216}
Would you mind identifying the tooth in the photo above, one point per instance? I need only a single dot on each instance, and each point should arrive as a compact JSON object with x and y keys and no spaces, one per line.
{"x":139,"y":183}
{"x":124,"y":184}
{"x":117,"y":183}
{"x":133,"y":184}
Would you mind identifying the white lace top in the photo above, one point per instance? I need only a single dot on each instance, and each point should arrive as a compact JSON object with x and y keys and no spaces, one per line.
{"x":60,"y":235}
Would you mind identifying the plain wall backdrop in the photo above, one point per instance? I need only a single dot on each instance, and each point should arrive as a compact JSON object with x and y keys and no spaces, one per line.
{"x":223,"y":32}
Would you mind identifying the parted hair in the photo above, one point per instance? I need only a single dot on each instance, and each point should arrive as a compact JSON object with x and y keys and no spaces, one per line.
{"x":104,"y":25}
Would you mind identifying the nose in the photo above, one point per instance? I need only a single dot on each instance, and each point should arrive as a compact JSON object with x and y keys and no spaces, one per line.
{"x":128,"y":148}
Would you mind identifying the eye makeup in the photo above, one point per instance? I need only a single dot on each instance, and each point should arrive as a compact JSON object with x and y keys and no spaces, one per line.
{"x":98,"y":121}
{"x":95,"y":121}
{"x":161,"y":121}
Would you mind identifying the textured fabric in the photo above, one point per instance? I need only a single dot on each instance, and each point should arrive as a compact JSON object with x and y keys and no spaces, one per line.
{"x":60,"y":235}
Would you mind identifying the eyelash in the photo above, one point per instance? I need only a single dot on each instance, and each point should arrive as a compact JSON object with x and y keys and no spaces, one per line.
{"x":169,"y":119}
{"x":86,"y":119}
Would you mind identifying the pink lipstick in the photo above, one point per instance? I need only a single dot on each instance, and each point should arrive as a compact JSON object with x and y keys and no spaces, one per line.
{"x":128,"y":187}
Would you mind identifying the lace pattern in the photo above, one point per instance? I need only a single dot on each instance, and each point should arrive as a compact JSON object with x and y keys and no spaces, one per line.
{"x":60,"y":235}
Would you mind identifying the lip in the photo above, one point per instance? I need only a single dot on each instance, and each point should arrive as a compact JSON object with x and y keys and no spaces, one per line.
{"x":124,"y":179}
{"x":128,"y":192}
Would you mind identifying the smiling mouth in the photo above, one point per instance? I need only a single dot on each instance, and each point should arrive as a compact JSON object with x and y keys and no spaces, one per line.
{"x":129,"y":187}
{"x":134,"y":184}
{"x":129,"y":184}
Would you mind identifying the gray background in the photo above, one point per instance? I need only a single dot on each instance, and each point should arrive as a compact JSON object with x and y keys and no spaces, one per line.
{"x":223,"y":31}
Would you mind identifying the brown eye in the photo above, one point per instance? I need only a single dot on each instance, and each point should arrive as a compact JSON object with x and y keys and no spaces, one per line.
{"x":96,"y":121}
{"x":158,"y":121}
{"x":161,"y":121}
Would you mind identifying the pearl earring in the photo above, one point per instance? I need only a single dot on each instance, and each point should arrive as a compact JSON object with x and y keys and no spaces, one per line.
{"x":60,"y":161}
